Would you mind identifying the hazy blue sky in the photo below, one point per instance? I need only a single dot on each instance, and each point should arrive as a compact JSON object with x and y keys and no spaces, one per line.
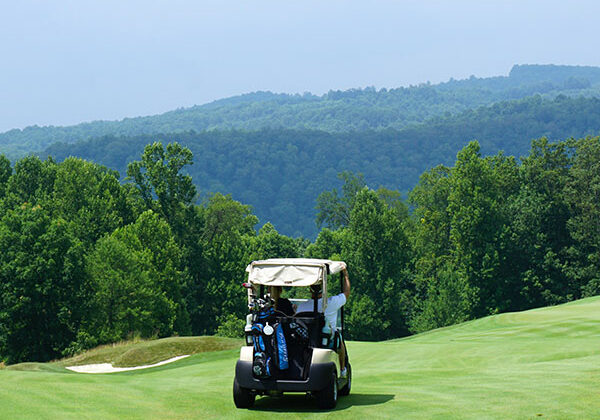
{"x":64,"y":62}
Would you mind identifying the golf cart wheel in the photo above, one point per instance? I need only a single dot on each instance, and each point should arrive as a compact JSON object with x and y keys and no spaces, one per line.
{"x":242,"y":397}
{"x":346,"y":389}
{"x":327,"y":398}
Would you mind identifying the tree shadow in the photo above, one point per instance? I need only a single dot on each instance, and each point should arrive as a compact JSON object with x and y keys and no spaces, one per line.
{"x":302,"y":403}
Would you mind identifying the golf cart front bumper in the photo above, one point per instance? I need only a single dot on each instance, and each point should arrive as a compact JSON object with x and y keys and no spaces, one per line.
{"x":318,"y":378}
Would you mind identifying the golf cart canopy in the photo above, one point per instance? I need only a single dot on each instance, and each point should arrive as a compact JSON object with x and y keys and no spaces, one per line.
{"x":292,"y":271}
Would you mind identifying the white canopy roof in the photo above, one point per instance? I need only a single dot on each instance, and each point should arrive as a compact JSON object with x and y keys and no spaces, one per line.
{"x":292,"y":271}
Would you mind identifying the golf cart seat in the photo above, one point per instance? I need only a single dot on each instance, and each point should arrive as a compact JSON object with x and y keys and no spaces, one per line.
{"x":313,"y":322}
{"x":307,"y":314}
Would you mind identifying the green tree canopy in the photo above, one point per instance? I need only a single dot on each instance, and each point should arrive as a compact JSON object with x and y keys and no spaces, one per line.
{"x":158,"y":175}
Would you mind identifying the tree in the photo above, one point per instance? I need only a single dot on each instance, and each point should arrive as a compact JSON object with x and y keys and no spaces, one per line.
{"x":328,"y":244}
{"x":480,"y":189}
{"x":442,"y":296}
{"x":430,"y":233}
{"x":42,"y":291}
{"x":538,"y":225}
{"x":91,"y":198}
{"x":582,"y":194}
{"x":126,"y":301}
{"x":31,"y":182}
{"x":378,"y":255}
{"x":447,"y":300}
{"x":137,"y":282}
{"x":158,"y":175}
{"x":271,"y":244}
{"x":5,"y":173}
{"x":334,"y":210}
{"x":215,"y":286}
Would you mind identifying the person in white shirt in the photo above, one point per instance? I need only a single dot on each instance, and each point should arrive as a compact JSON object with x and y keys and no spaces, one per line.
{"x":334,"y":303}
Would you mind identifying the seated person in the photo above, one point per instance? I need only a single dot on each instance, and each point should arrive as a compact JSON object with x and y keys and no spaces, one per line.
{"x":334,"y":303}
{"x":282,"y":305}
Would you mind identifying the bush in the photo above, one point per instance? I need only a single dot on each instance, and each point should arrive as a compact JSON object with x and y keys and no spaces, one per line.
{"x":365,"y":321}
{"x":448,"y":302}
{"x":231,"y":326}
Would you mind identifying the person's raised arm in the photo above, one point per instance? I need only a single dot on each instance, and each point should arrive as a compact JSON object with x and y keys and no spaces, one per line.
{"x":346,"y":283}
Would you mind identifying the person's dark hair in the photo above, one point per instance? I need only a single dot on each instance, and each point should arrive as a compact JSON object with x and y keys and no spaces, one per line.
{"x":316,"y":289}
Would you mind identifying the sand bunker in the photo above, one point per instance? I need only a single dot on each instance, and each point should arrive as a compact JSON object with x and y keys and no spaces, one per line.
{"x":108,"y":367}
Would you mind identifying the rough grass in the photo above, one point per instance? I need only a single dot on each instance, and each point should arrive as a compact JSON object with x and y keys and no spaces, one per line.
{"x":543,"y":363}
{"x":137,"y":352}
{"x":146,"y":352}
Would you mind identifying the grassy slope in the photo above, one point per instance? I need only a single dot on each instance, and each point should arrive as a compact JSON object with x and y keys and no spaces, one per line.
{"x":541,"y":363}
{"x":137,"y":353}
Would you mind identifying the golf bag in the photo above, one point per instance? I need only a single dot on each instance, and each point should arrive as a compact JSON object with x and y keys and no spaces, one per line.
{"x":270,"y":349}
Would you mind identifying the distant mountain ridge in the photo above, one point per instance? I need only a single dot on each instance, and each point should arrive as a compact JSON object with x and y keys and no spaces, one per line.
{"x":280,"y":172}
{"x":552,"y":72}
{"x":335,"y":111}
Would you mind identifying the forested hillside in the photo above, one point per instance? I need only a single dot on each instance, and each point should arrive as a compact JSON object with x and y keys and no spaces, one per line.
{"x":91,"y":255}
{"x":88,"y":260}
{"x":281,"y":172}
{"x":336,"y":111}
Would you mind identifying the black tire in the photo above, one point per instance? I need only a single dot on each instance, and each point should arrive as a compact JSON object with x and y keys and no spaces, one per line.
{"x":242,"y":397}
{"x":327,"y":398}
{"x":346,"y":389}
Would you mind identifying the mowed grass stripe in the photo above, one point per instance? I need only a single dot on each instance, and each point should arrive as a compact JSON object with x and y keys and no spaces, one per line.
{"x":543,"y":363}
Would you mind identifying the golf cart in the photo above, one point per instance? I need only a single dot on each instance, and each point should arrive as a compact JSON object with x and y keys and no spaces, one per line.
{"x":293,"y":352}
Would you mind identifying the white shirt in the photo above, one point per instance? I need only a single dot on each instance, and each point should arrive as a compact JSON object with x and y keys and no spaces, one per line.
{"x":333,"y":304}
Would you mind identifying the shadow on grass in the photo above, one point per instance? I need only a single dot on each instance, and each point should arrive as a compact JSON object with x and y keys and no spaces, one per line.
{"x":302,"y":403}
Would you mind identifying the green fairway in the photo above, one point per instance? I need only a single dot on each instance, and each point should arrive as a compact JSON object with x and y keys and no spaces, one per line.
{"x":543,"y":363}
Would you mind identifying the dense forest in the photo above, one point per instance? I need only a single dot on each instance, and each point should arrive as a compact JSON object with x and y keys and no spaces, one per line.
{"x":281,"y":172}
{"x":88,"y":260}
{"x":335,"y":111}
